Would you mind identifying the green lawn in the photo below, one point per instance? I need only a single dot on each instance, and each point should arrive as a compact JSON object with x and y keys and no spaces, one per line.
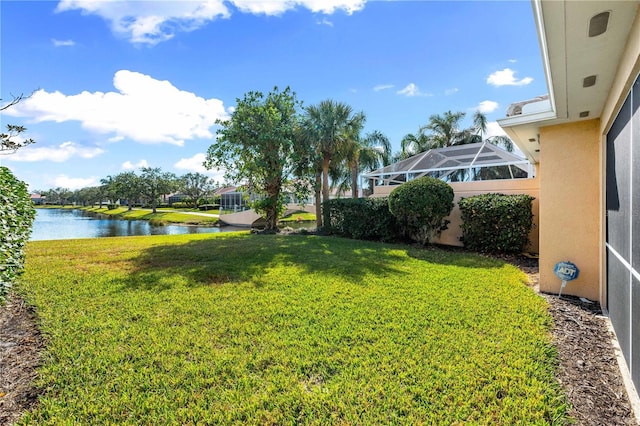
{"x":161,"y":217}
{"x":265,"y":329}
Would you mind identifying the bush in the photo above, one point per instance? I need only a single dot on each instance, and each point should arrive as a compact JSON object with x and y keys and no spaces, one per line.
{"x":420,"y":207}
{"x":181,"y":205}
{"x":112,"y":206}
{"x":496,"y":222}
{"x":206,"y":207}
{"x":360,"y":218}
{"x":16,"y":218}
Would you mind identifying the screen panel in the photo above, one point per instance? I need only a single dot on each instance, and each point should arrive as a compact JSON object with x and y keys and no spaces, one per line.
{"x":618,"y":182}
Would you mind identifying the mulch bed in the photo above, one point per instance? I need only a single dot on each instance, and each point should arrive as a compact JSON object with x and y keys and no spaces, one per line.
{"x":20,"y":346}
{"x":588,"y":370}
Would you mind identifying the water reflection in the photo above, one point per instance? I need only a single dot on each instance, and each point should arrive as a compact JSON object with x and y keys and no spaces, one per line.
{"x":61,"y":224}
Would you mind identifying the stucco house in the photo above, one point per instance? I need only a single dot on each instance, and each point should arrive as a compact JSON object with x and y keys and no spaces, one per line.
{"x":584,"y":138}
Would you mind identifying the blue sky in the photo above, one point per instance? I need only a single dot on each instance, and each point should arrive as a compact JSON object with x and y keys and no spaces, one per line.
{"x":125,"y":84}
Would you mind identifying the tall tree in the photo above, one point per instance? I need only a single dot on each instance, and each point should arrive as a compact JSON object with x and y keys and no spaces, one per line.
{"x":257,"y":146}
{"x":128,"y":186}
{"x":195,"y":186}
{"x":155,"y":183}
{"x":360,"y":155}
{"x":445,"y":129}
{"x":331,"y":125}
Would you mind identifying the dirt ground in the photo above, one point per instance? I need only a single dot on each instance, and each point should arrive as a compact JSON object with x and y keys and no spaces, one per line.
{"x":588,"y":370}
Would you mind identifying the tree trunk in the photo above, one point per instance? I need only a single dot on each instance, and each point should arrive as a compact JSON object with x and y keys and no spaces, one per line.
{"x":153,"y":205}
{"x":325,"y":178}
{"x":316,"y":189}
{"x":271,"y":213}
{"x":354,"y":180}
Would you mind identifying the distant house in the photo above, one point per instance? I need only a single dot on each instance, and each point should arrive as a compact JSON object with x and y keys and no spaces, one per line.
{"x":176,"y":198}
{"x":38,"y":199}
{"x":231,"y":198}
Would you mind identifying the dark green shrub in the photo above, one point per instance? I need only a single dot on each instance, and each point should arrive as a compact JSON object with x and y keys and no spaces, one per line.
{"x":360,"y":218}
{"x":496,"y":222}
{"x":16,"y":218}
{"x":420,"y":206}
{"x":181,"y":205}
{"x":209,"y":207}
{"x":112,"y":206}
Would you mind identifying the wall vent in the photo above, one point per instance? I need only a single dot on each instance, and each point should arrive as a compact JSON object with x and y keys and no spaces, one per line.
{"x":598,"y":24}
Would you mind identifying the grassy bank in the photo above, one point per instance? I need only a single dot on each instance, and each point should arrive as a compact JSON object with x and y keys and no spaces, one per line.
{"x":263,"y":329}
{"x":161,"y":217}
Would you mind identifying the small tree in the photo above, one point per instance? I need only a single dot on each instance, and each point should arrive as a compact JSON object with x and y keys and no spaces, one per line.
{"x":154,"y":183}
{"x":127,"y":185}
{"x":421,"y":206}
{"x":16,"y":217}
{"x":259,"y":145}
{"x":195,"y":186}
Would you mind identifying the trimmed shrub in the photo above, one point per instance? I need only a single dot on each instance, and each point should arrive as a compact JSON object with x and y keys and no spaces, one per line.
{"x":181,"y":205}
{"x":420,"y":206}
{"x":496,"y":222}
{"x":16,"y":218}
{"x":360,"y":218}
{"x":209,"y":207}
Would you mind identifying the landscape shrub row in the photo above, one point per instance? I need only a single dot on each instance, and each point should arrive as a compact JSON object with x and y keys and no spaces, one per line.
{"x":493,"y":223}
{"x":360,"y":218}
{"x":496,"y":222}
{"x":16,"y":217}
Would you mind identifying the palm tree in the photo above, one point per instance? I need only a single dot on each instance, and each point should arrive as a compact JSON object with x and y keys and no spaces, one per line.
{"x":360,"y":155}
{"x":331,"y":125}
{"x":479,"y":129}
{"x":412,"y":144}
{"x":441,"y":131}
{"x":445,"y":129}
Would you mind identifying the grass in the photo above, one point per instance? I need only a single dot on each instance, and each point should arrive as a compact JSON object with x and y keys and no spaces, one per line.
{"x":299,"y":217}
{"x":159,"y":218}
{"x":262,"y":329}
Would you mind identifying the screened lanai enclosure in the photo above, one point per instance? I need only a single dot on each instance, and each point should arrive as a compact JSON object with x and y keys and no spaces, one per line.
{"x":458,"y":163}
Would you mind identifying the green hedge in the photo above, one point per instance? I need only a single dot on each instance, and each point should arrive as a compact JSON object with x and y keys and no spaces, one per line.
{"x":496,"y":222}
{"x":421,"y":207}
{"x":16,"y":218}
{"x":360,"y":218}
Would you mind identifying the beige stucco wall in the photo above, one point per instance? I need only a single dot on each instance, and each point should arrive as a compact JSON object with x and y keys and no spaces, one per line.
{"x":570,"y":205}
{"x":452,"y":235}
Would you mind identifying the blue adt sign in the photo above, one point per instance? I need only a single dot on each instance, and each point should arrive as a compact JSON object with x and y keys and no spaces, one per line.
{"x":566,"y":271}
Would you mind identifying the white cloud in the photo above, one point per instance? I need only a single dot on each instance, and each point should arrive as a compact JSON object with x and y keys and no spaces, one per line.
{"x":64,"y":181}
{"x":62,"y":43}
{"x":195,"y":164}
{"x":506,"y":77}
{"x":450,"y":92}
{"x":277,"y":7}
{"x":486,"y":107}
{"x":325,"y":21}
{"x":412,"y":90}
{"x":513,"y":61}
{"x":143,"y":109}
{"x":380,"y":87}
{"x":128,"y":165}
{"x":152,"y":22}
{"x":57,"y":154}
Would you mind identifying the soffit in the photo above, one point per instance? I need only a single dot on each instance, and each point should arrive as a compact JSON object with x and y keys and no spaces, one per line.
{"x":570,"y":55}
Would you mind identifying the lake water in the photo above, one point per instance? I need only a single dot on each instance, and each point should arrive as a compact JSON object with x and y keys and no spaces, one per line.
{"x":62,"y":224}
